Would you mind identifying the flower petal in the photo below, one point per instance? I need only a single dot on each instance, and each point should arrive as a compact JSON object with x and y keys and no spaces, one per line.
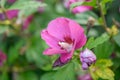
{"x":64,"y":57}
{"x":77,"y":34}
{"x":81,"y":42}
{"x":80,"y":9}
{"x":59,"y":28}
{"x":52,"y":51}
{"x":50,"y":40}
{"x":84,"y":66}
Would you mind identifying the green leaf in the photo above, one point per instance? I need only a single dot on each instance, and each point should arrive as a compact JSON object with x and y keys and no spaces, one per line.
{"x":27,"y":5}
{"x":89,"y":42}
{"x":104,"y":50}
{"x":90,"y":3}
{"x":117,"y":73}
{"x":2,"y":3}
{"x":26,"y":14}
{"x":100,"y":70}
{"x":106,"y":1}
{"x":3,"y":29}
{"x":104,"y":7}
{"x":73,"y":5}
{"x":92,"y":43}
{"x":102,"y":63}
{"x":34,"y":53}
{"x":65,"y":73}
{"x":27,"y":76}
{"x":105,"y":74}
{"x":31,"y":55}
{"x":47,"y":76}
{"x":14,"y":52}
{"x":4,"y":75}
{"x":117,"y":39}
{"x":93,"y":33}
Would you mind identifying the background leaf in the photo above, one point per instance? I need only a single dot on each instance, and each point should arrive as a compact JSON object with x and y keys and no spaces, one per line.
{"x":3,"y":29}
{"x":2,"y":3}
{"x":117,"y":38}
{"x":103,"y":63}
{"x":103,"y":50}
{"x":67,"y":72}
{"x":47,"y":76}
{"x":27,"y":4}
{"x":34,"y":53}
{"x":100,"y":70}
{"x":91,"y":43}
{"x":14,"y":52}
{"x":90,"y":3}
{"x":27,"y":76}
{"x":105,"y":74}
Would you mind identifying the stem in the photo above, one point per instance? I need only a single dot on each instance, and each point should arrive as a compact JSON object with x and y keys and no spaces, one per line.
{"x":102,"y":15}
{"x":14,"y":75}
{"x":116,"y":23}
{"x":88,"y":28}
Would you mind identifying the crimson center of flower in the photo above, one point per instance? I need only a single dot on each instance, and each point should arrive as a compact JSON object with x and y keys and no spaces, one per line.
{"x":67,"y":44}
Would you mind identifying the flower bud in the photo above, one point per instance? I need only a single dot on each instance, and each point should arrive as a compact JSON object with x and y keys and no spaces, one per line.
{"x":2,"y":16}
{"x":91,"y":21}
{"x":87,"y":57}
{"x":2,"y":58}
{"x":59,"y":63}
{"x":88,"y":0}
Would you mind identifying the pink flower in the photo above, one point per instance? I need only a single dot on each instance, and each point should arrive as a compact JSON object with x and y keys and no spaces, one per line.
{"x":87,"y":57}
{"x":12,"y":14}
{"x":26,"y":22}
{"x":63,"y":36}
{"x":2,"y":16}
{"x":2,"y":58}
{"x":78,"y":9}
{"x":11,"y":1}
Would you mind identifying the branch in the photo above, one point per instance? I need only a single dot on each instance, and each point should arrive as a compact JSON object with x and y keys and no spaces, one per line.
{"x":116,"y":23}
{"x":102,"y":15}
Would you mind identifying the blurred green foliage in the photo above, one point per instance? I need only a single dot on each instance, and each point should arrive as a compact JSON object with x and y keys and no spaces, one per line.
{"x":24,"y":49}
